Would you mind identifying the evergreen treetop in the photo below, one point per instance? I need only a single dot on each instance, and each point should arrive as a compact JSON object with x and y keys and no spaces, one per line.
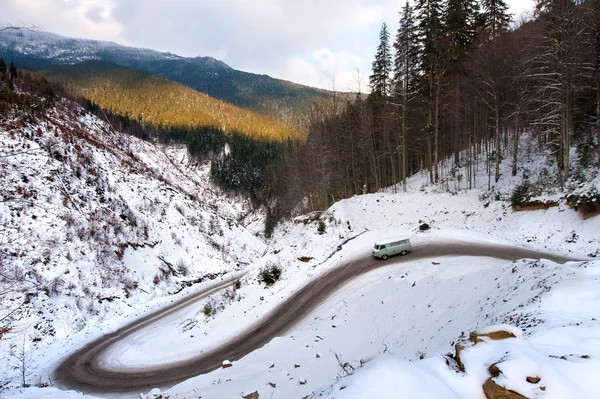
{"x":379,"y":81}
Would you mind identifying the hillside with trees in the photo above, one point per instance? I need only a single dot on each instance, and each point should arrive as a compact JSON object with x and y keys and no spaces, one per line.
{"x":159,"y":102}
{"x":273,"y":97}
{"x":460,"y":88}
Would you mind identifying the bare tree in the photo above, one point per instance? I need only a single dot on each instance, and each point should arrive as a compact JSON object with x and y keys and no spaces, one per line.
{"x":22,"y":357}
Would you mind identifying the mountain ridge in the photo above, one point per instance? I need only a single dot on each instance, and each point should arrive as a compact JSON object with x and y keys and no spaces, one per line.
{"x":270,"y":96}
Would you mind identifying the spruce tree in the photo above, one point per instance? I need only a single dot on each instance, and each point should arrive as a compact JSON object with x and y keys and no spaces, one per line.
{"x":462,"y":21}
{"x":382,"y":65}
{"x":13,"y":70}
{"x":407,"y":51}
{"x":405,"y":76}
{"x":2,"y":69}
{"x":496,"y":17}
{"x":431,"y":39}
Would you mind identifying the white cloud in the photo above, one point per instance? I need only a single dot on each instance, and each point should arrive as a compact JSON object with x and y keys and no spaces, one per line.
{"x":78,"y":18}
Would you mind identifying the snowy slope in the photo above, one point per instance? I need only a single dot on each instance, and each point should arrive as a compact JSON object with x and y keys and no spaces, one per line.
{"x":96,"y":224}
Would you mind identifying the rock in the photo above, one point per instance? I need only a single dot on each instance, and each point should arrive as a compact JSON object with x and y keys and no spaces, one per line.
{"x":494,"y":370}
{"x":533,"y":380}
{"x":459,"y":348}
{"x":272,"y":384}
{"x":318,"y":356}
{"x":495,"y":335}
{"x":302,"y":381}
{"x":495,"y":391}
{"x":424,"y":226}
{"x":227,"y":364}
{"x":253,"y":395}
{"x":154,"y":394}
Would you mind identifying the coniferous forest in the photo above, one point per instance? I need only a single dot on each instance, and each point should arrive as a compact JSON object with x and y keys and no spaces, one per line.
{"x":457,"y":83}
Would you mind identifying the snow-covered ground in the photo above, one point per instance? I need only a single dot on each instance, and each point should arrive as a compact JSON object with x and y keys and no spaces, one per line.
{"x":376,"y":328}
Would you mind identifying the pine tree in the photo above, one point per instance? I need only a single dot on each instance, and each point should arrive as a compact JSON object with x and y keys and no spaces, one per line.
{"x":462,"y":21}
{"x":13,"y":70}
{"x":405,"y":76}
{"x":431,"y":40}
{"x":496,"y":17}
{"x":382,"y":65}
{"x":407,"y":52}
{"x":3,"y":69}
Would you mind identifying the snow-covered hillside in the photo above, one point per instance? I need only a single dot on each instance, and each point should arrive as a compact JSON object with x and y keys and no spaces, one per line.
{"x":391,"y":332}
{"x":95,"y":223}
{"x":61,"y":49}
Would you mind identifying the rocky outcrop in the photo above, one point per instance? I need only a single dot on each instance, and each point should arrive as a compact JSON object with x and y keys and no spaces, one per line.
{"x":495,"y":391}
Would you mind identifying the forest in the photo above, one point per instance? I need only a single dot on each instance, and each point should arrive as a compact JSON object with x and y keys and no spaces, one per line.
{"x":460,"y":77}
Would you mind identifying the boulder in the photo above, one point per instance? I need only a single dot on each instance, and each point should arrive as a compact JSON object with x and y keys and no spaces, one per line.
{"x":495,"y":391}
{"x":495,"y":335}
{"x":459,"y":348}
{"x":494,"y":370}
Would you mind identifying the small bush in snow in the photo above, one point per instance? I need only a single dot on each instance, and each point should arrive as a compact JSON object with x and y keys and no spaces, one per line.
{"x":270,"y":274}
{"x":229,"y":295}
{"x":321,"y":228}
{"x":176,"y":239}
{"x":209,"y":309}
{"x":522,"y":194}
{"x":182,"y":267}
{"x":237,"y":285}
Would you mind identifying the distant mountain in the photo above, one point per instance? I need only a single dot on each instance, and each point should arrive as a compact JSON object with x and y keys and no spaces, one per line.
{"x":280,"y":98}
{"x":162,"y":102}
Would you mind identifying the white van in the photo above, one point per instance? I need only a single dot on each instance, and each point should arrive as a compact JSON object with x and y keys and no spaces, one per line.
{"x":392,"y":246}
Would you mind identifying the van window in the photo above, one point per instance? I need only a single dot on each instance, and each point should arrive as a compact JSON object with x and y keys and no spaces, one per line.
{"x":376,"y":247}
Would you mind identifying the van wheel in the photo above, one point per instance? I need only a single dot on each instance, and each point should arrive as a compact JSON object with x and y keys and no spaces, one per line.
{"x":384,"y":257}
{"x":403,"y":253}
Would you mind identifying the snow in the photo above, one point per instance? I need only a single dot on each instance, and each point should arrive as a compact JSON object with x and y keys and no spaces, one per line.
{"x":386,"y":333}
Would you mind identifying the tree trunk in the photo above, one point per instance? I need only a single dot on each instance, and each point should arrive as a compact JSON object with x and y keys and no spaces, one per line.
{"x":456,"y":125}
{"x":598,"y":114}
{"x":515,"y":145}
{"x":497,"y":129}
{"x":436,"y":130}
{"x":403,"y":140}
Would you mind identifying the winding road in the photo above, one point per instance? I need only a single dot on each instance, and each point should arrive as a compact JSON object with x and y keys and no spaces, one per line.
{"x":83,"y":370}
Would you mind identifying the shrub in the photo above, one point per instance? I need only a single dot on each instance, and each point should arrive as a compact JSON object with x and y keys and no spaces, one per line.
{"x":209,"y":309}
{"x":270,"y":274}
{"x":321,"y":228}
{"x":237,"y":285}
{"x":586,"y":200}
{"x":522,"y":194}
{"x":182,"y":267}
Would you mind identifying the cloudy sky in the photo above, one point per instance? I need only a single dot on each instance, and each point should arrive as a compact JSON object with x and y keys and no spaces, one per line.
{"x":323,"y":43}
